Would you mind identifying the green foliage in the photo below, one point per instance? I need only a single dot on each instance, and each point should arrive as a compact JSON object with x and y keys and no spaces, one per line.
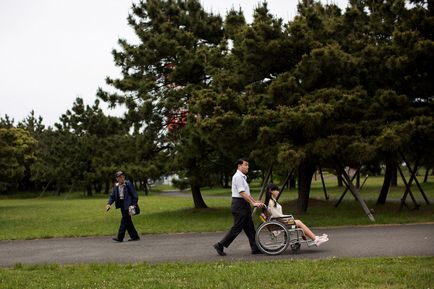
{"x":326,"y":88}
{"x":181,"y":184}
{"x":6,"y":122}
{"x":160,"y":73}
{"x":17,"y":153}
{"x":329,"y":87}
{"x":32,"y":124}
{"x":58,"y":159}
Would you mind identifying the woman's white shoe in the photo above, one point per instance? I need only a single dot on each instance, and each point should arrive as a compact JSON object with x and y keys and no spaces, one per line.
{"x":320,"y":240}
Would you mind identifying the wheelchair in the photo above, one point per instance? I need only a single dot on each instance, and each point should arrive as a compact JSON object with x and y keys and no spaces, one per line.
{"x":274,"y":235}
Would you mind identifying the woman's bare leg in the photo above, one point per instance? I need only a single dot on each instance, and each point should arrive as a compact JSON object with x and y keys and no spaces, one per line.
{"x":305,"y":229}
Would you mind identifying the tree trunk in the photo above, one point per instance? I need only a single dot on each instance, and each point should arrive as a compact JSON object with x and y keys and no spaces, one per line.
{"x":45,"y":188}
{"x":107,"y":187}
{"x":89,"y":190}
{"x":358,"y":179}
{"x":394,"y":180}
{"x":145,"y":187}
{"x":292,"y":182}
{"x":225,"y":180}
{"x":425,"y":179}
{"x":340,"y":183}
{"x":199,"y":203}
{"x":388,"y":175}
{"x":305,"y":174}
{"x":58,"y":191}
{"x":98,"y":187}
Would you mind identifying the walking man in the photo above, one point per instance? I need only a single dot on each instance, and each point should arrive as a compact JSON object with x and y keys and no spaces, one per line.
{"x":241,"y":211}
{"x":124,"y":195}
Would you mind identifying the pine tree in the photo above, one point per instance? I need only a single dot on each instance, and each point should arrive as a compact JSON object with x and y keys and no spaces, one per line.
{"x":160,"y":73}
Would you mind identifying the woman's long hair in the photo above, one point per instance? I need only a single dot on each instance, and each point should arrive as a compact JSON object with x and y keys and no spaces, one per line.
{"x":270,"y":188}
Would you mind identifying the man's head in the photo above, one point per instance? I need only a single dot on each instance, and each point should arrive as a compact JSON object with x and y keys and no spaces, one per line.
{"x":120,"y":177}
{"x":243,"y":165}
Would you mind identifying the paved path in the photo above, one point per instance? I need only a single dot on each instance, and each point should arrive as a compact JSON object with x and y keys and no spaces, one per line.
{"x":370,"y":241}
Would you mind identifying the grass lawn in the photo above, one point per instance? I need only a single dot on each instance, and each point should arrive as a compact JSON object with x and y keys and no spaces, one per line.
{"x":406,"y":272}
{"x":58,"y":217}
{"x":72,"y":215}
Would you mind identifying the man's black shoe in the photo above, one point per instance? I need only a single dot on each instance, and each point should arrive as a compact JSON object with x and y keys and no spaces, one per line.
{"x":117,"y":240}
{"x":256,"y":252}
{"x":219,"y":248}
{"x":134,"y":239}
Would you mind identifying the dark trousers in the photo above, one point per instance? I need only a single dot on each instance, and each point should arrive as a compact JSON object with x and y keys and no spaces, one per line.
{"x":242,"y":221}
{"x":127,"y":225}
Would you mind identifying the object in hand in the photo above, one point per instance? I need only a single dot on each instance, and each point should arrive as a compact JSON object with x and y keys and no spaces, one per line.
{"x":132,"y":210}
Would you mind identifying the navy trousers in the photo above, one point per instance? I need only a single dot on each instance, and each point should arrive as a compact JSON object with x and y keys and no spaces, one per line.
{"x":242,"y":215}
{"x":127,"y":225}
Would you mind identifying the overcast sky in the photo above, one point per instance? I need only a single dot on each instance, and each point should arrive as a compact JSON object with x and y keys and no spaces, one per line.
{"x":53,"y":51}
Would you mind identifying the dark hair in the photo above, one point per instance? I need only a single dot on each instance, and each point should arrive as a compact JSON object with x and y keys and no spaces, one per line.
{"x":268,"y":190}
{"x":240,"y":161}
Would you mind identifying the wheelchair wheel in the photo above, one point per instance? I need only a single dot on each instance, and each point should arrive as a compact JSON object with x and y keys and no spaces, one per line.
{"x":295,"y":247}
{"x":272,"y":237}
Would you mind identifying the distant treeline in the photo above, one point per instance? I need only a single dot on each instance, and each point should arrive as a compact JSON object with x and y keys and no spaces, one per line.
{"x":329,"y":89}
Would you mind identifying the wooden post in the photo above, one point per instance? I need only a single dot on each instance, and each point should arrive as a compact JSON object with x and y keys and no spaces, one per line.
{"x":413,"y":174}
{"x":364,"y":181}
{"x":323,"y":183}
{"x":356,"y":194}
{"x":407,"y":191}
{"x":264,"y":183}
{"x":261,"y":193}
{"x":346,"y":190}
{"x":285,"y":183}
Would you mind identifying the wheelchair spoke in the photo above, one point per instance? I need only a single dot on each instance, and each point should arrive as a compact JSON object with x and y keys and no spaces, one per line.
{"x":272,"y":238}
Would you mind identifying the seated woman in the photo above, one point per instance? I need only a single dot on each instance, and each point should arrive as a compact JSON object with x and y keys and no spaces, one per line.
{"x":275,"y":209}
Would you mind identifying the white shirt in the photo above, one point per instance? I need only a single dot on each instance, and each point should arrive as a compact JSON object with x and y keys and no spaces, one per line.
{"x":239,"y":184}
{"x":121,"y":191}
{"x":276,"y":211}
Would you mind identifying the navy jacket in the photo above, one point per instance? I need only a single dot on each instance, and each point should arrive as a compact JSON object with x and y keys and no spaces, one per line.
{"x":130,"y":196}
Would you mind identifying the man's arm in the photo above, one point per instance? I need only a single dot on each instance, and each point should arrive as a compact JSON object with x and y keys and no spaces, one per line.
{"x":111,"y":199}
{"x":251,"y":200}
{"x":133,"y":192}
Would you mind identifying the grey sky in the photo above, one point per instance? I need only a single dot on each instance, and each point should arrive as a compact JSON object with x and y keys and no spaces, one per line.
{"x":53,"y":51}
